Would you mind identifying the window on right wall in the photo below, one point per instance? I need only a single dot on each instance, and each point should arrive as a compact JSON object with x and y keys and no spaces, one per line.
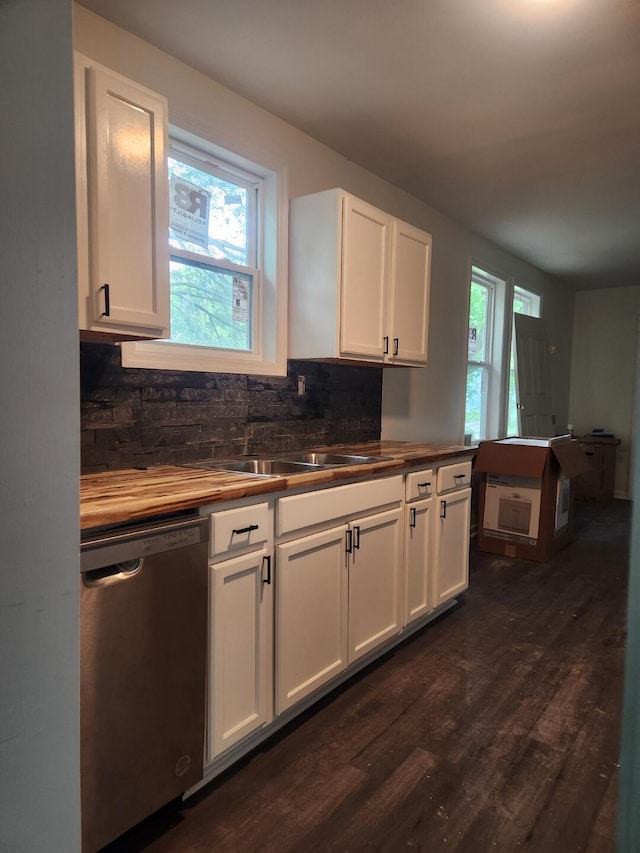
{"x":490,"y":402}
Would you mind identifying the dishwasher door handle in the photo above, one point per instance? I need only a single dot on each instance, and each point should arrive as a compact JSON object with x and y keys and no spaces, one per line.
{"x":115,"y":573}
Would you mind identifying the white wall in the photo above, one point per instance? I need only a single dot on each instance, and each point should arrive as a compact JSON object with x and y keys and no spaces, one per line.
{"x":605,"y":341}
{"x":417,"y":404}
{"x":39,"y":451}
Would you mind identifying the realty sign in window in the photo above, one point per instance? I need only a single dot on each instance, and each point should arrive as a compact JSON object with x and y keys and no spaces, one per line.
{"x":189,"y":211}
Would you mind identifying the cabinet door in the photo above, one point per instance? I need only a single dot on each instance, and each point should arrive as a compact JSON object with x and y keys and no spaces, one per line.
{"x":409,"y":293}
{"x":240,"y":649}
{"x":418,"y":559}
{"x":365,"y":273}
{"x":374,"y":581}
{"x":451,"y":564}
{"x":127,"y":205}
{"x":311,"y":614}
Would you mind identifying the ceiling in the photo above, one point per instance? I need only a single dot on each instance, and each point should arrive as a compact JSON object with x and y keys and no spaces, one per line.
{"x":518,"y":118}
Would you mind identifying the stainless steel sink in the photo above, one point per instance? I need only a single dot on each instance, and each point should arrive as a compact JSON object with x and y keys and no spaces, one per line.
{"x":290,"y":463}
{"x":257,"y":467}
{"x":327,"y":460}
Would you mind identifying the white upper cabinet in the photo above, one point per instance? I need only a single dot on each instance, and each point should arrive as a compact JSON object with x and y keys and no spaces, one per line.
{"x":363,"y":295}
{"x":409,"y":293}
{"x":122,"y":205}
{"x":359,"y":282}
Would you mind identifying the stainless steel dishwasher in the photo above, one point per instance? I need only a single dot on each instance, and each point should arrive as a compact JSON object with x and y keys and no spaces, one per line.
{"x":143,"y":615}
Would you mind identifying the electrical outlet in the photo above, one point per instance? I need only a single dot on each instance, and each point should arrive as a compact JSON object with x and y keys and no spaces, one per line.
{"x":302,"y":386}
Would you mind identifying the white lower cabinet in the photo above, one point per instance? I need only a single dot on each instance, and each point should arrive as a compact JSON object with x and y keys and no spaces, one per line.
{"x":451,"y":545}
{"x":353,"y":565}
{"x":436,"y":540}
{"x":418,"y":559}
{"x":240,"y":649}
{"x":338,"y":597}
{"x":338,"y":589}
{"x":311,"y":614}
{"x":375,"y":560}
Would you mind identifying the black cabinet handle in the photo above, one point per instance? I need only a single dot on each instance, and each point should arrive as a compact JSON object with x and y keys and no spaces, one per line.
{"x":424,"y":485}
{"x":245,"y":529}
{"x":412,"y":517}
{"x":349,"y":545}
{"x":267,"y":559}
{"x":386,"y":345}
{"x":396,"y":345}
{"x":458,"y":476}
{"x":443,"y":509}
{"x":107,"y":301}
{"x":356,"y":540}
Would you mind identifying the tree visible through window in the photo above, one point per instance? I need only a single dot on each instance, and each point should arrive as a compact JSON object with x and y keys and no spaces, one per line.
{"x":479,"y":348}
{"x":228,"y":248}
{"x":213,"y":268}
{"x":478,"y":357}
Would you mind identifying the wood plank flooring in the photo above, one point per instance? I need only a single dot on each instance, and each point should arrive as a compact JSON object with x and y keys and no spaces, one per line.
{"x":494,"y":729}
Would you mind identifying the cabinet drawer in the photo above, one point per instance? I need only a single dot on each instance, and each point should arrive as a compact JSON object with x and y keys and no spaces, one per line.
{"x":456,"y":476}
{"x":236,"y":530}
{"x":419,"y":484}
{"x":312,"y":508}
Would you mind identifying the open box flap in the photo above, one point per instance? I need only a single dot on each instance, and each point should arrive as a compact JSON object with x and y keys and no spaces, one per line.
{"x":516,"y":460}
{"x":528,"y":457}
{"x":571,"y":458}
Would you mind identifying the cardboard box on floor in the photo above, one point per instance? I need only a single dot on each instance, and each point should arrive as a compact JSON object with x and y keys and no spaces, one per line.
{"x":525,"y":495}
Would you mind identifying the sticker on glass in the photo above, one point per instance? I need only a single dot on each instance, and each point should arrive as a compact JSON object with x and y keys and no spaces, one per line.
{"x":189,"y":211}
{"x":240,"y":299}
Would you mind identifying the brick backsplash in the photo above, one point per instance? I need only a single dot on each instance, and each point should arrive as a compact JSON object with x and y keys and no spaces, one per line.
{"x":131,"y":416}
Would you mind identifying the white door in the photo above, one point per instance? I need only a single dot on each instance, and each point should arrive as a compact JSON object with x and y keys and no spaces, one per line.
{"x":409,"y":293}
{"x":374,"y":581}
{"x":418,"y":559}
{"x":240,"y":649}
{"x":451,"y":545}
{"x":533,"y":391}
{"x":128,"y":204}
{"x":365,"y":274}
{"x":311,"y":614}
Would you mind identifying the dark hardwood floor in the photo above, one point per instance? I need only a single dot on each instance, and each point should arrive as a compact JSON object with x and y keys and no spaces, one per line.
{"x":494,"y":729}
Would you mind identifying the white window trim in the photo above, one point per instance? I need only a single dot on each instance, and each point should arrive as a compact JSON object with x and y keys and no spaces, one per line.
{"x":500,"y":342}
{"x":517,"y":285}
{"x":486,"y":363}
{"x":269,"y":357}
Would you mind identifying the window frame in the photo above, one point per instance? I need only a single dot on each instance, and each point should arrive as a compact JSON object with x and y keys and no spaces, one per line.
{"x":494,"y":416}
{"x":268,"y":356}
{"x":253,"y":185}
{"x":485,"y":363}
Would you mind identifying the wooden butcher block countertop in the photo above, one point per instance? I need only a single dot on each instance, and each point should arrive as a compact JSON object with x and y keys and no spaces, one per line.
{"x":114,"y":497}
